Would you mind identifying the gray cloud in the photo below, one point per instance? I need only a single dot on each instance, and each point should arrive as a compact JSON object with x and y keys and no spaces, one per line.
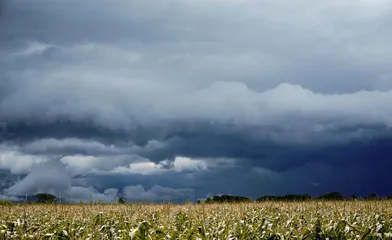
{"x":47,"y":177}
{"x":18,"y":163}
{"x":9,"y":198}
{"x":52,"y":177}
{"x":156,"y":193}
{"x":146,"y":93}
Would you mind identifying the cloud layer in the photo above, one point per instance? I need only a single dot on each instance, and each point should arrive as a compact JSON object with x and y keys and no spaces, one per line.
{"x":171,"y":100}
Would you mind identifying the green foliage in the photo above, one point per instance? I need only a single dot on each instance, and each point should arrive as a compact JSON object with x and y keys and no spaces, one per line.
{"x":121,"y":200}
{"x":45,"y":198}
{"x":228,"y":199}
{"x":288,"y":197}
{"x":331,"y":196}
{"x":354,"y":196}
{"x":373,"y":196}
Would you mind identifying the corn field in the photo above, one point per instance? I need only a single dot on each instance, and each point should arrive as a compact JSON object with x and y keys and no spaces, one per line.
{"x":267,"y":220}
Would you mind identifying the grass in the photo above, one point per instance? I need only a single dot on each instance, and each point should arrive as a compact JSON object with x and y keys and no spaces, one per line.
{"x":266,"y":220}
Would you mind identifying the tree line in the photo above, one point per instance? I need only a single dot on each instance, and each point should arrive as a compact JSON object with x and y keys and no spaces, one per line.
{"x":289,"y":197}
{"x":49,"y":198}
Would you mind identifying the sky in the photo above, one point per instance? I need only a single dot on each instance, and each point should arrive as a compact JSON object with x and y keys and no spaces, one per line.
{"x":175,"y":100}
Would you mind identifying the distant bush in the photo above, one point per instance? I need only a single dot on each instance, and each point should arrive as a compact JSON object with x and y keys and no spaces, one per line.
{"x":354,"y":196}
{"x":288,"y":197}
{"x":227,"y":199}
{"x":373,"y":196}
{"x":331,"y":196}
{"x":45,"y":198}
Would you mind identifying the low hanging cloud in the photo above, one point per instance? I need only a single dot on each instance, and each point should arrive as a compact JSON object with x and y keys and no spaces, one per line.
{"x":157,"y":193}
{"x":52,"y":177}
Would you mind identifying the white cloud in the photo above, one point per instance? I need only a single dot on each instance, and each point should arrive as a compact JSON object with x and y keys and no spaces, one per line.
{"x":17,"y":162}
{"x":156,"y":193}
{"x":187,"y":164}
{"x":51,"y":145}
{"x":89,"y":194}
{"x":79,"y":164}
{"x":142,"y":168}
{"x":48,"y":177}
{"x":52,"y":177}
{"x":179,"y":164}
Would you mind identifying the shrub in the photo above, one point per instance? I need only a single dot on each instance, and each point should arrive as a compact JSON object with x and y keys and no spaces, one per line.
{"x":121,"y":200}
{"x":45,"y":198}
{"x":373,"y":196}
{"x":331,"y":196}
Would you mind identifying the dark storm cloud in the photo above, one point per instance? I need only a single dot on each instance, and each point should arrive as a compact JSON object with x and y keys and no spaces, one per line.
{"x":2,"y":8}
{"x":268,"y":146}
{"x":177,"y":99}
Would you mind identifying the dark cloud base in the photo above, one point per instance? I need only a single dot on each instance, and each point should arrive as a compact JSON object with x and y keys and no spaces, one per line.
{"x":360,"y":166}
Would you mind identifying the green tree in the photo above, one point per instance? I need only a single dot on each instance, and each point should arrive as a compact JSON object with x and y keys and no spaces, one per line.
{"x":373,"y":196}
{"x":354,"y":196}
{"x":45,"y":198}
{"x":331,"y":196}
{"x":227,"y":199}
{"x":121,"y":200}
